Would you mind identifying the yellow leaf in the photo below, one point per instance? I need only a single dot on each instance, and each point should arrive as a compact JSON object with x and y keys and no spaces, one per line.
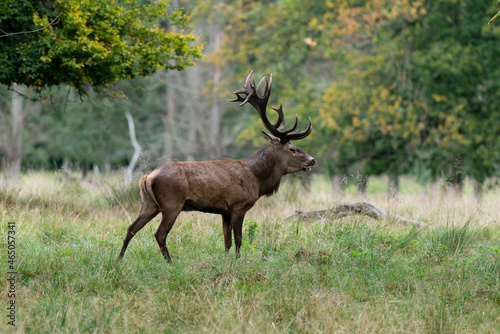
{"x":438,"y":98}
{"x":355,"y":121}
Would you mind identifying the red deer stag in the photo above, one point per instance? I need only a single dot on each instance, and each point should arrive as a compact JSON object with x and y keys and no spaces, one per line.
{"x":223,"y":186}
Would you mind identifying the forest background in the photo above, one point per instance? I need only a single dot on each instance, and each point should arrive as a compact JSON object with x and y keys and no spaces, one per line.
{"x":393,"y":88}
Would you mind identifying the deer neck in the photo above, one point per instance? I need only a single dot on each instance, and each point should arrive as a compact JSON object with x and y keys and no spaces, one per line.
{"x":268,"y":169}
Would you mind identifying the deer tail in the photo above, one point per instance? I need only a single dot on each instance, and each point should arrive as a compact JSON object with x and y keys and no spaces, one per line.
{"x":146,"y":190}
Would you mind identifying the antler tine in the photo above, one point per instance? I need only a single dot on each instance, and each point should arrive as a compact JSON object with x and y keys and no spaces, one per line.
{"x":247,"y":89}
{"x":293,"y":128}
{"x":297,"y":122}
{"x":300,"y":134}
{"x":281,"y":118}
{"x":267,"y":87}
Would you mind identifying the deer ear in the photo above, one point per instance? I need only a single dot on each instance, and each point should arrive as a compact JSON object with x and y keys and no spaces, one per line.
{"x":271,"y":139}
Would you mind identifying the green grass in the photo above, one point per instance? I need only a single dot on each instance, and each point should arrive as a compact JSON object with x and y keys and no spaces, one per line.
{"x":353,"y":275}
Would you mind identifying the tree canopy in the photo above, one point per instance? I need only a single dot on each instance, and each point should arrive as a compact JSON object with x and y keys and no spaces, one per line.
{"x":90,"y":42}
{"x":418,"y":91}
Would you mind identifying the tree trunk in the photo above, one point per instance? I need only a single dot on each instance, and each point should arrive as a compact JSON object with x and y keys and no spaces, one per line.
{"x":15,"y":148}
{"x":362,"y":184}
{"x":107,"y":163}
{"x":173,"y":80}
{"x":478,"y":191}
{"x":95,"y":167}
{"x":338,"y":184}
{"x":393,"y":187}
{"x":137,"y":150}
{"x":85,"y":171}
{"x":215,"y":149}
{"x":193,"y":120}
{"x":455,"y":181}
{"x":169,"y":119}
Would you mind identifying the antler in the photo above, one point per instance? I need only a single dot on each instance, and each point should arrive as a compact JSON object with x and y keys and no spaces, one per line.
{"x":258,"y":99}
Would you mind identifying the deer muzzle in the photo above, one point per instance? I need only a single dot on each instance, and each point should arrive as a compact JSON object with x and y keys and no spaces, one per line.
{"x":307,"y":166}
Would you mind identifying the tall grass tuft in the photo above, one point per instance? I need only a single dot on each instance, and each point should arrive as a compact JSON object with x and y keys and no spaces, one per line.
{"x":454,"y":239}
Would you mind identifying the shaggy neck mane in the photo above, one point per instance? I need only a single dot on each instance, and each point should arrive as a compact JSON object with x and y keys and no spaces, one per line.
{"x":266,"y":167}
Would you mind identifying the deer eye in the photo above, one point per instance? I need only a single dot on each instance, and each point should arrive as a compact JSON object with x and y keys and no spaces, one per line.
{"x":292,"y":150}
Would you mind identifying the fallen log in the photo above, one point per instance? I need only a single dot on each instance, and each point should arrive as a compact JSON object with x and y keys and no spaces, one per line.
{"x":350,"y":209}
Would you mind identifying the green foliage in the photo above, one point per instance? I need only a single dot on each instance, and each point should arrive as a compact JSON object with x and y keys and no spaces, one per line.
{"x":418,"y":91}
{"x":92,"y":42}
{"x":252,"y":229}
{"x":454,"y":71}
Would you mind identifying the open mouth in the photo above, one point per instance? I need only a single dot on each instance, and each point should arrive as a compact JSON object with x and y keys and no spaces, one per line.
{"x":307,"y":166}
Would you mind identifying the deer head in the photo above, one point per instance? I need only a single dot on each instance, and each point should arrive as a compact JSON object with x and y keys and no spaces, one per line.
{"x":293,"y":157}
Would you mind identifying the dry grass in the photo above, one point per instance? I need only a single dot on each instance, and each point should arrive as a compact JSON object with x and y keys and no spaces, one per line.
{"x":354,"y":275}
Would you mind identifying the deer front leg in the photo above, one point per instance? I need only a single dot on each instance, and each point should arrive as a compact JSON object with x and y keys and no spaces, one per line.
{"x":237,"y":224}
{"x":226,"y":227}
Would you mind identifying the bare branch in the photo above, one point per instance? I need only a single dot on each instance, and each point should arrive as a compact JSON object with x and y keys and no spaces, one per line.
{"x":137,"y":149}
{"x":7,"y":34}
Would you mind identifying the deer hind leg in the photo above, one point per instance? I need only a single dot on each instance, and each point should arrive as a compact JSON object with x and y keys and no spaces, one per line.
{"x":148,"y":212}
{"x":166,"y":224}
{"x":227,"y":229}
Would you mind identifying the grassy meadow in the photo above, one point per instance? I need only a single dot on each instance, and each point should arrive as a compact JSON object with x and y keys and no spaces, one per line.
{"x":352,"y":275}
